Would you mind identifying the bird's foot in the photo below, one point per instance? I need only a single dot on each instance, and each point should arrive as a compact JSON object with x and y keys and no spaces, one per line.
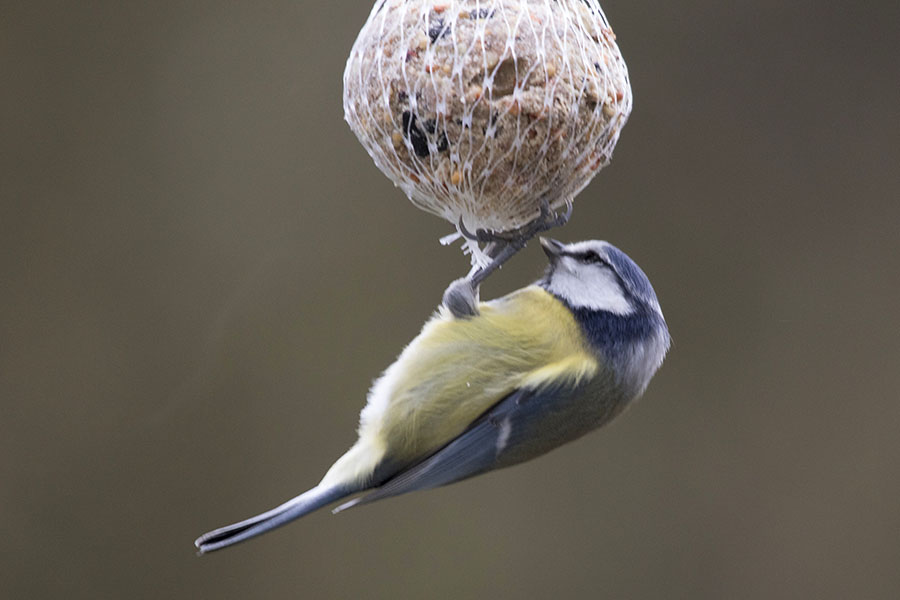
{"x":546,"y":219}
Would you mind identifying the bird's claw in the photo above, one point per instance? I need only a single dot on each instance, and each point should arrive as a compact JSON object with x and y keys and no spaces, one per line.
{"x":546,"y":219}
{"x":481,"y":235}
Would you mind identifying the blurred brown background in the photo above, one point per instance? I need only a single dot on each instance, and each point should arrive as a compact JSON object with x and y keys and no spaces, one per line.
{"x":202,"y":271}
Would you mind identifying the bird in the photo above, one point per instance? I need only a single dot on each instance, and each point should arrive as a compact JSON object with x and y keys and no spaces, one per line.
{"x":487,"y":385}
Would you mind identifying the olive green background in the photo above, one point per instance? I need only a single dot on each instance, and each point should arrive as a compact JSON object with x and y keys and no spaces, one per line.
{"x":201,"y":271}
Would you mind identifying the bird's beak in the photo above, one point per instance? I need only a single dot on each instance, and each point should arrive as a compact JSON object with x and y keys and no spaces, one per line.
{"x":552,"y":248}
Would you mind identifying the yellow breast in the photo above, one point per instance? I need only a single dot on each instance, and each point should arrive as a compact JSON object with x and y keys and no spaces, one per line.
{"x":458,"y":368}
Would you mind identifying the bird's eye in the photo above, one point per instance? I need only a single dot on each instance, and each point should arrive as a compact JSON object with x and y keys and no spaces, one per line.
{"x":591,"y":257}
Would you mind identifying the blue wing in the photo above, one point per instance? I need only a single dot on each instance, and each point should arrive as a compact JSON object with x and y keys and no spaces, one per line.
{"x":472,"y":452}
{"x":523,"y":425}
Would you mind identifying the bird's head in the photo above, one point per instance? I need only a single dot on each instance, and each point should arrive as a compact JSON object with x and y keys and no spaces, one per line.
{"x":614,"y":303}
{"x":597,"y":276}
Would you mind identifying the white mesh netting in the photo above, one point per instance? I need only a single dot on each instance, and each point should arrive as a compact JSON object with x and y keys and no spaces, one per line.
{"x":482,"y":109}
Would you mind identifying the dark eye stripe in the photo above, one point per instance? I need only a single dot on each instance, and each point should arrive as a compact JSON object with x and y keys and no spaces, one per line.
{"x":589,"y":257}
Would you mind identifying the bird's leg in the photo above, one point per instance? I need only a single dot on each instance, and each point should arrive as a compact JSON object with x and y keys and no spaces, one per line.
{"x":461,"y":297}
{"x":504,"y":253}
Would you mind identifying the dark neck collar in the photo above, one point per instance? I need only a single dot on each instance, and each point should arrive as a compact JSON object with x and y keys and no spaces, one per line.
{"x":610,"y":332}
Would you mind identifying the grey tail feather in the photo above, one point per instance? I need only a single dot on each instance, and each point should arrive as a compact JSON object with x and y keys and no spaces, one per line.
{"x":350,"y":504}
{"x":380,"y":493}
{"x":303,"y":504}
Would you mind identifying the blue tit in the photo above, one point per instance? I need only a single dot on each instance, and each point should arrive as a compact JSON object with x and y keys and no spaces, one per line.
{"x":514,"y":379}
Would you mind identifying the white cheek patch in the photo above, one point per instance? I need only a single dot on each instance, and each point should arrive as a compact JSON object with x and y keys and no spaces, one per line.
{"x":592,"y":287}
